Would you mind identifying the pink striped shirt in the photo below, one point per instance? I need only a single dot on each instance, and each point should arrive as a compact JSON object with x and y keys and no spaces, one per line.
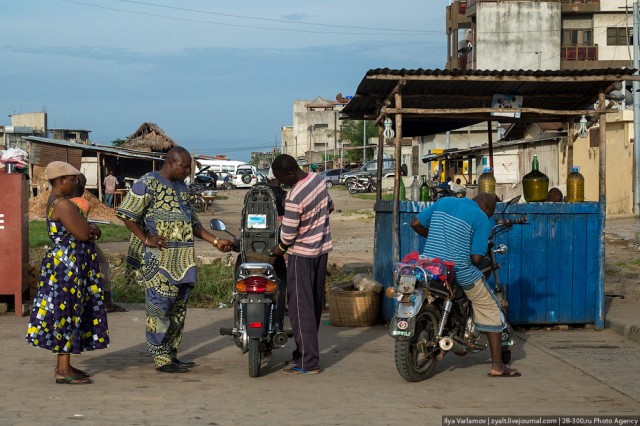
{"x":305,"y":225}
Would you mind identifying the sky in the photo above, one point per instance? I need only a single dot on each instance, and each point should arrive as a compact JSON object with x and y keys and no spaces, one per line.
{"x":219,"y":77}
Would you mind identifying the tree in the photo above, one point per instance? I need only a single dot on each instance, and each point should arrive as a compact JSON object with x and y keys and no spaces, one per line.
{"x":118,"y":142}
{"x":352,"y":134}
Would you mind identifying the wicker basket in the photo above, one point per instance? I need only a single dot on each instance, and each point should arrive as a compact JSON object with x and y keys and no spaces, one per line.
{"x":352,"y":308}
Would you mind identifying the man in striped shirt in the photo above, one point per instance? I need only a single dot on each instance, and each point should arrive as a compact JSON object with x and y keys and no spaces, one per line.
{"x":306,"y":236}
{"x":457,"y":230}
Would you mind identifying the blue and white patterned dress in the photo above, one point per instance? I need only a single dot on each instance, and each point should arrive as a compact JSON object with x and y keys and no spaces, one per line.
{"x":68,"y":313}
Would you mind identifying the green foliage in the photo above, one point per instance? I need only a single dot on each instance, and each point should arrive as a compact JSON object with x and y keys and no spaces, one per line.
{"x":118,"y":142}
{"x":39,"y":236}
{"x":353,"y":132}
{"x":372,"y":196}
{"x":629,"y":265}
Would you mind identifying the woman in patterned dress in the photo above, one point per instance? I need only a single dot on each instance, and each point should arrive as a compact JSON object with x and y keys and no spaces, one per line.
{"x":68,"y":315}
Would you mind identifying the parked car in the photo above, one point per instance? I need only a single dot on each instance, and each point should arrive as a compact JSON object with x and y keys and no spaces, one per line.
{"x":332,"y":176}
{"x":370,"y":169}
{"x":245,"y":176}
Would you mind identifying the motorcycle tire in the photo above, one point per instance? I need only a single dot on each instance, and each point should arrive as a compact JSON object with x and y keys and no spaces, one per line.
{"x":198,"y":205}
{"x":255,"y":355}
{"x":349,"y":181}
{"x":352,"y":189}
{"x":373,"y":187}
{"x":412,"y":363}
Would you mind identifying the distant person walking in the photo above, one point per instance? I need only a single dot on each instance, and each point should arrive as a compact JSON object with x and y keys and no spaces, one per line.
{"x":164,"y":225}
{"x":305,"y":235}
{"x":110,"y":183}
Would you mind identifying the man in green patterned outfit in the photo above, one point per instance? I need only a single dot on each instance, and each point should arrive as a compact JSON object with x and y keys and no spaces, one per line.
{"x":161,"y":253}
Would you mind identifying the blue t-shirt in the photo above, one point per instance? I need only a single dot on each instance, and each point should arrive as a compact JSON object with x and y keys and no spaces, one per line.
{"x":458,"y":228}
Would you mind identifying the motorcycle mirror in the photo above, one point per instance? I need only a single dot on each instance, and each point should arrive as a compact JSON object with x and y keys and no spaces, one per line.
{"x":514,"y":200}
{"x":217,"y":225}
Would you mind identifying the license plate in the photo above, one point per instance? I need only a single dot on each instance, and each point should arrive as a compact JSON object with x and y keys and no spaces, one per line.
{"x":406,"y":283}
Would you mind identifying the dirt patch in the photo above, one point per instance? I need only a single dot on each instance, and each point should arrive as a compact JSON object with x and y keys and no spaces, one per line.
{"x":38,"y":207}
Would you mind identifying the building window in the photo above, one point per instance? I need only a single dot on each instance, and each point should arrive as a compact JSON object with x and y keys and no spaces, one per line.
{"x":619,"y":36}
{"x":577,"y":37}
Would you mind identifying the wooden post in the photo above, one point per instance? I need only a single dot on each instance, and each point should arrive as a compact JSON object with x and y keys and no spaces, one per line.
{"x":490,"y":135}
{"x":100,"y":162}
{"x":398,"y":175}
{"x":380,"y":162}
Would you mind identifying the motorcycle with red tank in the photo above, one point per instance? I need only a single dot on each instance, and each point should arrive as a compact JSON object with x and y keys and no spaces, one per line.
{"x":434,"y":317}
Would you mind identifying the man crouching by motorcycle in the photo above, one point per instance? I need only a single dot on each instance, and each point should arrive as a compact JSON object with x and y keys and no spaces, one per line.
{"x":457,"y":230}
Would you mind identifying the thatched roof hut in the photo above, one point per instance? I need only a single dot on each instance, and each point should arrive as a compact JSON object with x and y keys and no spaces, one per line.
{"x":149,"y":137}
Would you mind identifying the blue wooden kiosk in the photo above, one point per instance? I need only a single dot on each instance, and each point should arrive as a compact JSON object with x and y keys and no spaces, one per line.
{"x":552,"y":273}
{"x":554,"y":270}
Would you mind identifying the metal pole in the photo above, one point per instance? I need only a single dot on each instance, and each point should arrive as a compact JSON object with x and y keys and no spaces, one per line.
{"x":364,"y":141}
{"x":636,"y":112}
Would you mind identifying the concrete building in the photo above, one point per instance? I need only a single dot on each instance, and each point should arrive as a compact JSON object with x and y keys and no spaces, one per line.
{"x":315,"y":131}
{"x":27,"y":124}
{"x":539,"y":34}
{"x":71,"y":135}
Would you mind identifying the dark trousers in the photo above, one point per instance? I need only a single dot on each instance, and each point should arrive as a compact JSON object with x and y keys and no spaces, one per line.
{"x":305,"y":290}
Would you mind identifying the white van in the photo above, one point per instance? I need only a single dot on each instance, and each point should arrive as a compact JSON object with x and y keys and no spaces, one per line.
{"x":237,"y":171}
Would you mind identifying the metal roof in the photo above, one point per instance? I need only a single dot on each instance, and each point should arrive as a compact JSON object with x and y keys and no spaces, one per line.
{"x":434,"y":101}
{"x":119,"y":152}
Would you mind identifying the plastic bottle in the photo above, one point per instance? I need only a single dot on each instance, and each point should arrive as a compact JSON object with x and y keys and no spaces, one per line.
{"x":424,"y":190}
{"x":402,"y":191}
{"x":575,"y":186}
{"x":415,"y":189}
{"x":535,"y":184}
{"x":487,"y":182}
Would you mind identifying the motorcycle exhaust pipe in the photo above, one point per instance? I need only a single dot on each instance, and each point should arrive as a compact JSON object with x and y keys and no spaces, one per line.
{"x":280,"y":339}
{"x":448,"y":344}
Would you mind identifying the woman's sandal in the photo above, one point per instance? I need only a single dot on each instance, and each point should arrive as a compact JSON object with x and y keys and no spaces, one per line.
{"x":76,"y":371}
{"x":74,"y":380}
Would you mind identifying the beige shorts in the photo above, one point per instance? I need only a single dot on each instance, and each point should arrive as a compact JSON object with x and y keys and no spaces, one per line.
{"x":486,"y":309}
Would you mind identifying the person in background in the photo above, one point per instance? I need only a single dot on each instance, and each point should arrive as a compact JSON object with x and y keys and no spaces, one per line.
{"x":306,"y":236}
{"x":68,"y":315}
{"x":457,"y":230}
{"x":105,"y":269}
{"x":110,"y":183}
{"x":456,"y":186}
{"x":164,"y":225}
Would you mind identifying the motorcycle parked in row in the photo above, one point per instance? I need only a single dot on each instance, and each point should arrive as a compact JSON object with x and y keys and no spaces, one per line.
{"x":361,"y":184}
{"x":434,"y":316}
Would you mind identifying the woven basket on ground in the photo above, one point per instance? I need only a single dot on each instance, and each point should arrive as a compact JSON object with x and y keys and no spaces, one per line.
{"x":352,"y":308}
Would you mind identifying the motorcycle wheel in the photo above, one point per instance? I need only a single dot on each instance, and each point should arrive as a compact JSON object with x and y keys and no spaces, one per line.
{"x":412,"y":363}
{"x":255,"y":356}
{"x":373,"y":187}
{"x":348,"y":181}
{"x":198,"y":204}
{"x":352,"y":189}
{"x":329,"y":184}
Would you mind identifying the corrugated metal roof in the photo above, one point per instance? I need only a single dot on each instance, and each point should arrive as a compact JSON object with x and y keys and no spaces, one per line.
{"x":451,"y":92}
{"x":120,"y":152}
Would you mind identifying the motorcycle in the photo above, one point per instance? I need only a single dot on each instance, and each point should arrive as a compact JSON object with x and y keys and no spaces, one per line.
{"x":257,"y":322}
{"x":434,"y":316}
{"x":361,"y":184}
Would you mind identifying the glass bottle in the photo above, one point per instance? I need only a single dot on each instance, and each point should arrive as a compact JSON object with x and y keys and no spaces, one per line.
{"x":424,"y":190}
{"x":487,"y":182}
{"x":402,"y":191}
{"x":575,"y":186}
{"x":535,"y":184}
{"x":415,"y":189}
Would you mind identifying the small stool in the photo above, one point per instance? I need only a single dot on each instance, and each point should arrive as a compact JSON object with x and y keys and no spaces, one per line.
{"x":207,"y":199}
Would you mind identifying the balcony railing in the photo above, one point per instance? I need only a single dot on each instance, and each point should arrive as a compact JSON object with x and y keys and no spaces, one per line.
{"x":579,"y":53}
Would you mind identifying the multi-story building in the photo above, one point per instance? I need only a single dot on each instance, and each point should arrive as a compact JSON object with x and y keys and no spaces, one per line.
{"x":539,"y":34}
{"x":316,"y":130}
{"x":26,"y":124}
